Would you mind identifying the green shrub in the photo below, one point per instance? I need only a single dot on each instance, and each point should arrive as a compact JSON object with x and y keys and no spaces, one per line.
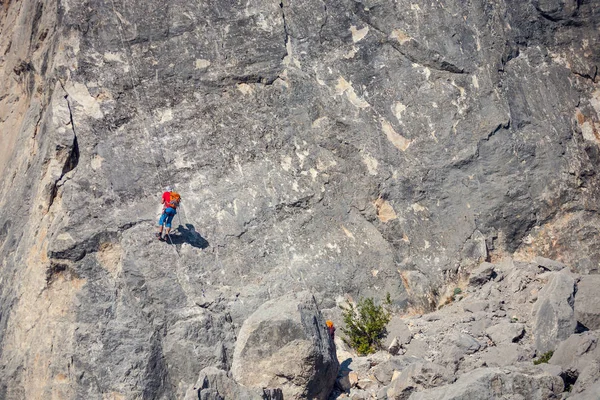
{"x":544,"y":358}
{"x":365,"y":326}
{"x":457,"y":291}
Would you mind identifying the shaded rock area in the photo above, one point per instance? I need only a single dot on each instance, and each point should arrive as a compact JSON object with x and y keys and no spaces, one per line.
{"x":345,"y":148}
{"x":285,"y":344}
{"x":482,"y":344}
{"x":215,"y":384}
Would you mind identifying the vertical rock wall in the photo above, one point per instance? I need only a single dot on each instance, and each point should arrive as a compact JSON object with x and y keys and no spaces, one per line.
{"x":342,"y":147}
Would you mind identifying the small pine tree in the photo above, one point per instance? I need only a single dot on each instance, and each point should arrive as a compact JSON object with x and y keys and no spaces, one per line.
{"x":365,"y":326}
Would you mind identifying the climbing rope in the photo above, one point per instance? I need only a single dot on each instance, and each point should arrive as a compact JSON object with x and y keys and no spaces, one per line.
{"x":132,"y":69}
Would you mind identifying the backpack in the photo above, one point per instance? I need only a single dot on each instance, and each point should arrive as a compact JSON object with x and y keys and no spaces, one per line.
{"x":174,"y":201}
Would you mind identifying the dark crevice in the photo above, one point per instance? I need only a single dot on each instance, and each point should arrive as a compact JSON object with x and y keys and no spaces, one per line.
{"x":500,"y":127}
{"x":285,"y":30}
{"x":518,"y":338}
{"x":511,"y":52}
{"x":272,"y":394}
{"x":57,"y":269}
{"x":324,"y":23}
{"x":591,"y":76}
{"x":72,"y":159}
{"x":580,"y":328}
{"x":302,"y":203}
{"x":235,"y":80}
{"x":569,"y":378}
{"x":53,"y":194}
{"x":23,"y":67}
{"x":37,"y":125}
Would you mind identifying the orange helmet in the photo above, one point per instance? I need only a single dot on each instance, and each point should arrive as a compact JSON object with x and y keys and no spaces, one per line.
{"x":329,"y":323}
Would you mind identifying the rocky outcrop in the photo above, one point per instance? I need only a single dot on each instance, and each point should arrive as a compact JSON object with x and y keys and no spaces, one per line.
{"x":481,"y":345}
{"x":285,"y":344}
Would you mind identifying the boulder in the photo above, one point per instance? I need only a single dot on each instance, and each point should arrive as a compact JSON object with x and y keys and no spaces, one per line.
{"x":579,"y":358}
{"x":503,"y":355}
{"x":475,"y":306}
{"x":397,"y":328}
{"x":506,"y":332}
{"x":590,"y":393}
{"x":553,"y":315}
{"x":384,"y":372}
{"x":418,"y":376}
{"x":587,"y":307}
{"x":497,"y":383}
{"x":576,"y":349}
{"x":285,"y":344}
{"x":548,"y":264}
{"x":481,"y":323}
{"x":456,"y":345}
{"x":482,"y":274}
{"x":587,"y":378}
{"x":417,"y":348}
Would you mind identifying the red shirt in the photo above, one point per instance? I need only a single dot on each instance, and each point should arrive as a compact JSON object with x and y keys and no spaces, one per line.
{"x":166,"y":198}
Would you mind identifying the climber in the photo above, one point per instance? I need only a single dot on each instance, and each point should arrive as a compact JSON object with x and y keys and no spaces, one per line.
{"x":170,"y":201}
{"x":166,"y":196}
{"x":330,"y":328}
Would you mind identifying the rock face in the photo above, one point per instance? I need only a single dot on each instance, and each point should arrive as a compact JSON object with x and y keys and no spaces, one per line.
{"x":342,"y":147}
{"x":285,"y":344}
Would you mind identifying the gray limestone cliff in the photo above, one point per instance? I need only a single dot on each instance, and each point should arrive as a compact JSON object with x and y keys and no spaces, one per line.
{"x":345,"y":148}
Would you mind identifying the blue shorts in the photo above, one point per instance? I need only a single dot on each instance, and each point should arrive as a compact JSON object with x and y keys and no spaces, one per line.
{"x":167,"y":217}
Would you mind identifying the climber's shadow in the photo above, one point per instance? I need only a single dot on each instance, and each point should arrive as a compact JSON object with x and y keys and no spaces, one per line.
{"x":189,"y":235}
